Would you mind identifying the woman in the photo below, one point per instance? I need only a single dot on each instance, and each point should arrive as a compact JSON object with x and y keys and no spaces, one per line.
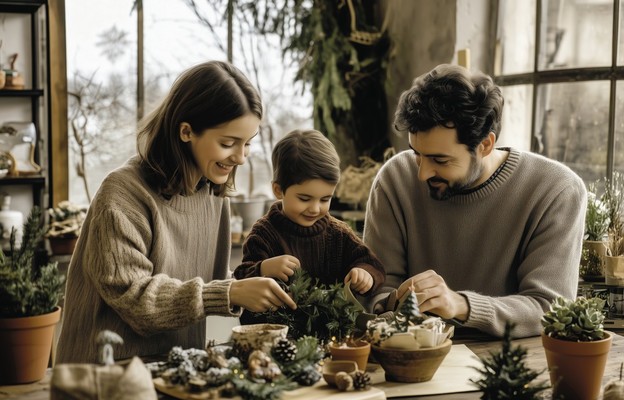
{"x":153,"y":255}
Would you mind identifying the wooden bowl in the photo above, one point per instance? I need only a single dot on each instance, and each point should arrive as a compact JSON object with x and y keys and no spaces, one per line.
{"x":411,"y":365}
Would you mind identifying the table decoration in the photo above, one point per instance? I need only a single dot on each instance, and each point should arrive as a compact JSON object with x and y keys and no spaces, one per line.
{"x":410,"y":347}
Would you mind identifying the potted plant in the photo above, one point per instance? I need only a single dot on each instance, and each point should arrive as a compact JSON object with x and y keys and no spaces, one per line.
{"x":576,"y":346}
{"x":597,"y":220}
{"x":29,"y":311}
{"x":411,"y":346}
{"x":64,"y":227}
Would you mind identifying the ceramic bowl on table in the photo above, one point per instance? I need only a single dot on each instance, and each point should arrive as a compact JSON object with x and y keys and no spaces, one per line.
{"x":411,"y":365}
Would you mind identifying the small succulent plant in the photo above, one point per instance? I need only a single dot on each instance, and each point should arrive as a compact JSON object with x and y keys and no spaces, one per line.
{"x":579,"y":320}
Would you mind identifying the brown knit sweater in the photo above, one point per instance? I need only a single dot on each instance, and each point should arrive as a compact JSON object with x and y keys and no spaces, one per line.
{"x":327,"y":250}
{"x":148,"y":268}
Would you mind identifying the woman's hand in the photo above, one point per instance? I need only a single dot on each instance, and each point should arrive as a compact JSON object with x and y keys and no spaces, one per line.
{"x":259,"y":295}
{"x":280,"y":267}
{"x":361,"y":280}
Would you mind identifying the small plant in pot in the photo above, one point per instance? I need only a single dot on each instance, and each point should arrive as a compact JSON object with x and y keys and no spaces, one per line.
{"x":576,"y":346}
{"x":597,"y":221}
{"x":411,"y":346}
{"x":29,"y":297}
{"x":64,"y":227}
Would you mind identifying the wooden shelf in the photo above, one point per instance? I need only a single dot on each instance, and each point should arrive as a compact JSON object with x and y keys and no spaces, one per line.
{"x":21,"y":93}
{"x":22,"y":180}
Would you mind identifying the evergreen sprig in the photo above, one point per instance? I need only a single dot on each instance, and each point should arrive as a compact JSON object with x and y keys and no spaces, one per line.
{"x":26,"y":290}
{"x":505,"y":374}
{"x":322,"y":310}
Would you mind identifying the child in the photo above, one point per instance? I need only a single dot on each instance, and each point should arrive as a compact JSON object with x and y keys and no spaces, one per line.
{"x":298,"y":231}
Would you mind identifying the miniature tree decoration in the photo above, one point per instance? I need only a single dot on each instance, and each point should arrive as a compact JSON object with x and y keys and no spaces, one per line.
{"x":409,"y":311}
{"x":505,"y":374}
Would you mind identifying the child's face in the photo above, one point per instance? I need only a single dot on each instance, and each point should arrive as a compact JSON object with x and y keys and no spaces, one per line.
{"x":218,"y":150}
{"x":307,"y":202}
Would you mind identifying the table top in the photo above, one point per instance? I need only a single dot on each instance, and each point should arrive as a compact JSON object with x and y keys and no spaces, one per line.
{"x":535,"y":360}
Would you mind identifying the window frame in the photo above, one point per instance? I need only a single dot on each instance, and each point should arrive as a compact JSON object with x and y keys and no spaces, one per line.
{"x":612,"y":73}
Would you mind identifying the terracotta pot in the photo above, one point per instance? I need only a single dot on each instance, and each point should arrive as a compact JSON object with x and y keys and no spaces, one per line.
{"x":411,"y":365}
{"x":614,"y":270}
{"x":576,"y":368}
{"x":25,"y":345}
{"x":357,"y":351}
{"x":61,"y":246}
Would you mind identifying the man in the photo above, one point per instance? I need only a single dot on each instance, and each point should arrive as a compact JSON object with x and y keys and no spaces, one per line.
{"x":485,"y":235}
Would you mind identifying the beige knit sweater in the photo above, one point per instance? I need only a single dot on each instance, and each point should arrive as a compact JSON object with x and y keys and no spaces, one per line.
{"x":147,"y":268}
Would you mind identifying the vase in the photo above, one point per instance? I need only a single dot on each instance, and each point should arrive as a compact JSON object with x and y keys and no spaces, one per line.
{"x":576,"y":368}
{"x":25,"y":347}
{"x":357,"y":351}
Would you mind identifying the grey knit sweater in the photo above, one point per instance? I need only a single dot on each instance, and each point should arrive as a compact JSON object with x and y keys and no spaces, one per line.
{"x":509,"y":247}
{"x":147,"y":268}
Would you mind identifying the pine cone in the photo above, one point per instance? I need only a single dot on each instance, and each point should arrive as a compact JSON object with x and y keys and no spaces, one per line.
{"x":361,"y":380}
{"x":284,"y":351}
{"x":308,"y":376}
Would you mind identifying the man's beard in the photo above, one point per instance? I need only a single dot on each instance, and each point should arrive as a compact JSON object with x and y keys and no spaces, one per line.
{"x":474,"y":173}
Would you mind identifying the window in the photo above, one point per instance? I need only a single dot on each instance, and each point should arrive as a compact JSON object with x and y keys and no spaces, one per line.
{"x":102,"y":43}
{"x":561,"y":66}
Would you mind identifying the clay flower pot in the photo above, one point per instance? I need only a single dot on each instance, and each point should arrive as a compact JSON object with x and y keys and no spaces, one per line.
{"x":576,"y":368}
{"x":25,"y":346}
{"x":411,"y":365}
{"x":357,"y":351}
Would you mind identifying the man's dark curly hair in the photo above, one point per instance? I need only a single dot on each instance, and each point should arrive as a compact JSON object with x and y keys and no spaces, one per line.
{"x":452,"y":97}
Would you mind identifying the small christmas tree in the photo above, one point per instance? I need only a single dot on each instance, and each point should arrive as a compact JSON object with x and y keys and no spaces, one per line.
{"x":409,"y":311}
{"x":505,"y":375}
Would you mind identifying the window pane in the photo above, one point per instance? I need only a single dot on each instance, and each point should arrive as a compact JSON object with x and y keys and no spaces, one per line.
{"x":572,"y":125}
{"x":516,"y":130}
{"x":576,"y":33}
{"x":619,"y":128}
{"x":515,"y":37}
{"x":101,"y":78}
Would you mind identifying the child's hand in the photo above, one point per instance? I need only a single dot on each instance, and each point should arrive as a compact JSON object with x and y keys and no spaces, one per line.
{"x":361,"y":280}
{"x":280,"y":267}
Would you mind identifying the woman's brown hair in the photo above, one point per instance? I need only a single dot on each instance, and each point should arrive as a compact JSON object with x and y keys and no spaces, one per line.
{"x":204,"y":96}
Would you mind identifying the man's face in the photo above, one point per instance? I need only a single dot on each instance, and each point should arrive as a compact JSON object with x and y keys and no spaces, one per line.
{"x":445,"y":164}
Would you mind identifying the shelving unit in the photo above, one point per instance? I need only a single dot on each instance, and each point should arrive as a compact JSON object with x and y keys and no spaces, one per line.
{"x":35,"y":95}
{"x":613,"y":321}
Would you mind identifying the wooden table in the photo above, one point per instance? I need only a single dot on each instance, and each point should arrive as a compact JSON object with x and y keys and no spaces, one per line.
{"x":536,"y":360}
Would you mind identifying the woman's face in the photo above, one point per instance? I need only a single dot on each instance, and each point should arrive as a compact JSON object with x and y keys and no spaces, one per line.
{"x":218,"y":150}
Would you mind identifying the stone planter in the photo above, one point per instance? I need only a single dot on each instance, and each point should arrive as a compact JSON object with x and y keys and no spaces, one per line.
{"x":258,"y":336}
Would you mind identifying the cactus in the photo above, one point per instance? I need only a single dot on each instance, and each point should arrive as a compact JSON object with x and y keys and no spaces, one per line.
{"x":579,"y":320}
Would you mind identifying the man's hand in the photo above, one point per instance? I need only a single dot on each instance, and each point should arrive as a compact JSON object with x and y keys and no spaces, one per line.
{"x":280,"y":267}
{"x":259,"y":294}
{"x":435,"y":297}
{"x":361,"y":280}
